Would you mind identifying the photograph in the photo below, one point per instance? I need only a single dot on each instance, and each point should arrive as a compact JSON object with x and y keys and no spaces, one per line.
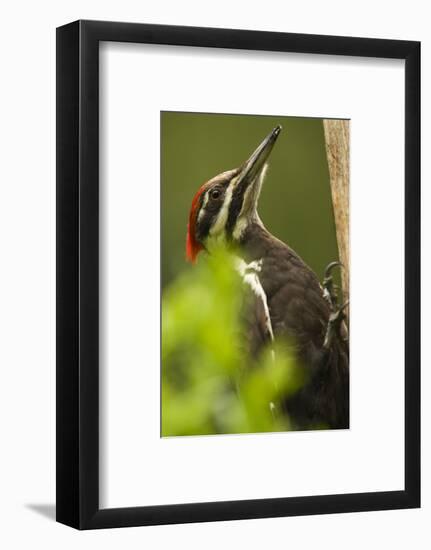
{"x":211,"y":281}
{"x":255,"y":273}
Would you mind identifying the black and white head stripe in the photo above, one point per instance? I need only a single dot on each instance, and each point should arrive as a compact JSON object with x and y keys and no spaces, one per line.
{"x":228,"y":202}
{"x":213,"y":204}
{"x":243,"y":204}
{"x":235,"y":206}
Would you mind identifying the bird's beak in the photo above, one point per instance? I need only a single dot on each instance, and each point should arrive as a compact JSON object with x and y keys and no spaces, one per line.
{"x":249,"y":181}
{"x":256,"y":162}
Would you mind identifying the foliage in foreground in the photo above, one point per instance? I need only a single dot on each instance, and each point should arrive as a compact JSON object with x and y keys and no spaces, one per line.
{"x":209,"y":384}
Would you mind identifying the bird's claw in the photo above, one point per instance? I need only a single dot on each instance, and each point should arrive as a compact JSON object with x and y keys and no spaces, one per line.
{"x":335,"y":319}
{"x":330,"y":289}
{"x":330,"y":267}
{"x":337,"y":315}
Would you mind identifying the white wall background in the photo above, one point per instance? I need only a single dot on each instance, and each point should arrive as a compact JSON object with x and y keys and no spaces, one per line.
{"x":27,"y":200}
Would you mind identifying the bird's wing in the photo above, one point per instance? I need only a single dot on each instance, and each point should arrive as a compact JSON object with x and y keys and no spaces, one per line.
{"x":256,"y":315}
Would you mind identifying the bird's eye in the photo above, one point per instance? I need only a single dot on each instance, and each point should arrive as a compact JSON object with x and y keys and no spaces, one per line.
{"x":215,"y":194}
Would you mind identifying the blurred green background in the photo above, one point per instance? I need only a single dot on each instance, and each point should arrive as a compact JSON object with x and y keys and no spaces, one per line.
{"x":209,"y":383}
{"x":295,"y":204}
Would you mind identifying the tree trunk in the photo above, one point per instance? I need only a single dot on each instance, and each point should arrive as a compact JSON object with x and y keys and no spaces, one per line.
{"x":338,"y":154}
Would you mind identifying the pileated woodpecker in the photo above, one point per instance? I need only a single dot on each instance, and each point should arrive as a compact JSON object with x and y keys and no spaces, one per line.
{"x":289,"y":302}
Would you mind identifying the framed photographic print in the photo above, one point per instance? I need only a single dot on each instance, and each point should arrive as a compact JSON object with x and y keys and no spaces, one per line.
{"x":238,"y":257}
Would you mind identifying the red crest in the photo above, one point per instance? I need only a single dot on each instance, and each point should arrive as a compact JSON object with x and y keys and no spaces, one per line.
{"x":193,"y":247}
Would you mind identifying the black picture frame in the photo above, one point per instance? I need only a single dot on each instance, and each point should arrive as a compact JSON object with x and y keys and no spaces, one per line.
{"x":78,"y":274}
